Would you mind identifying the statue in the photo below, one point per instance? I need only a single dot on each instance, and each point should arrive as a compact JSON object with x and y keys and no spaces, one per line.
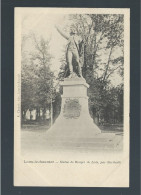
{"x":74,"y":51}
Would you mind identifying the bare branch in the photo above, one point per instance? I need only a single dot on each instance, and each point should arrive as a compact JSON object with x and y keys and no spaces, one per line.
{"x":112,"y":72}
{"x":105,"y":74}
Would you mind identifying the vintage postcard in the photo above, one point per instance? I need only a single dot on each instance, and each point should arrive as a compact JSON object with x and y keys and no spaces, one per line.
{"x":71,"y":97}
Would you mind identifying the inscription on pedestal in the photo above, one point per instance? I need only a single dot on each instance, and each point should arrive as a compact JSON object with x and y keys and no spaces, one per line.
{"x":71,"y":109}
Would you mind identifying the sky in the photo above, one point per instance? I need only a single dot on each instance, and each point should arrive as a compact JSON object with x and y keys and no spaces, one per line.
{"x":43,"y":24}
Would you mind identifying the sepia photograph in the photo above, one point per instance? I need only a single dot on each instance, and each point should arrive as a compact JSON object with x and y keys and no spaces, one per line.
{"x":71,"y":98}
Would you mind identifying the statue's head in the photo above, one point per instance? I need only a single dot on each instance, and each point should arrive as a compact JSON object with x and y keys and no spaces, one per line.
{"x":72,"y":31}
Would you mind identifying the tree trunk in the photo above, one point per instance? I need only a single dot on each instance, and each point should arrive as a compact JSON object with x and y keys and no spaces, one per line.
{"x":30,"y":116}
{"x":23,"y":114}
{"x":44,"y":112}
{"x":51,"y":113}
{"x":36,"y":114}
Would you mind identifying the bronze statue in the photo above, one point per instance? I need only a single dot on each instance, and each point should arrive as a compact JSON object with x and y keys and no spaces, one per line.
{"x":74,"y":50}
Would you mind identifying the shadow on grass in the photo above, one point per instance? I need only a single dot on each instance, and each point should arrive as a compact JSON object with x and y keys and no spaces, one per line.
{"x":112,"y":127}
{"x":45,"y":125}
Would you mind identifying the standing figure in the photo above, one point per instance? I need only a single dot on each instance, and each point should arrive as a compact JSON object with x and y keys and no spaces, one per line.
{"x":73,"y":50}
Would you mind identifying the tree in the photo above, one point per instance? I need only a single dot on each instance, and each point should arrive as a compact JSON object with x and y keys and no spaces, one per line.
{"x":103,"y":37}
{"x":37,"y":78}
{"x":27,"y":80}
{"x":101,"y":33}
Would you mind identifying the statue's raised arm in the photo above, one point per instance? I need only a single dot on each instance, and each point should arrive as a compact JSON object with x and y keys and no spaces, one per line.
{"x":74,"y":52}
{"x":62,"y":33}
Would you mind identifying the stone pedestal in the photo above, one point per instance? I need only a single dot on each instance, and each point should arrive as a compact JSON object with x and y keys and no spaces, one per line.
{"x":74,"y":127}
{"x":74,"y":120}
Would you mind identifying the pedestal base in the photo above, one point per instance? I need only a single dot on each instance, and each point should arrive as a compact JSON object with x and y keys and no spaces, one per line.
{"x":74,"y":126}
